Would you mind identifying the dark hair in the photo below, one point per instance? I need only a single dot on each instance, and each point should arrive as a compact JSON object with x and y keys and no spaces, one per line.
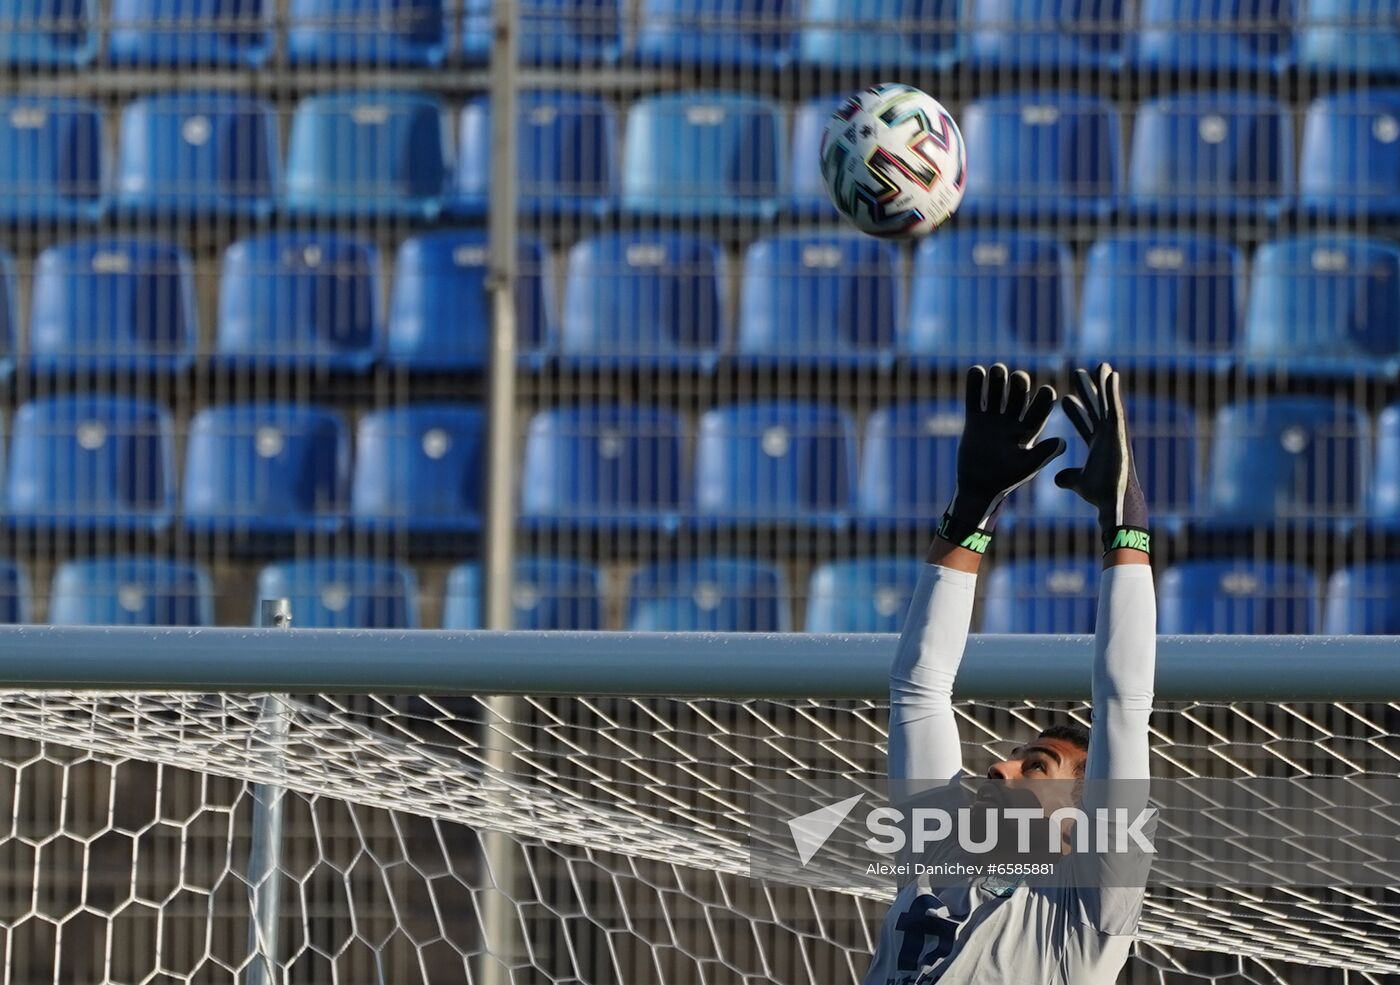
{"x":1075,"y":735}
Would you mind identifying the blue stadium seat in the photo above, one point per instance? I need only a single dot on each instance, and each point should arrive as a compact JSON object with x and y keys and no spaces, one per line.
{"x":1383,"y":505}
{"x":1350,"y":36}
{"x":1223,"y":154}
{"x":343,"y":593}
{"x":775,"y":462}
{"x":695,"y":154}
{"x":1161,"y":301}
{"x":367,"y":154}
{"x":51,"y":160}
{"x":713,"y":595}
{"x":1086,"y":34}
{"x":131,"y":591}
{"x":193,"y":33}
{"x":866,"y":595}
{"x":269,"y":469}
{"x":820,"y":300}
{"x":603,"y":466}
{"x":1363,"y":599}
{"x":881,"y":34}
{"x":565,"y":165}
{"x":730,"y":34}
{"x":419,"y":469}
{"x":1057,"y":596}
{"x":290,"y":299}
{"x":191,"y":154}
{"x":552,"y":32}
{"x":644,"y":299}
{"x":90,"y":462}
{"x":16,"y":600}
{"x":1326,"y":306}
{"x":548,"y":594}
{"x":987,"y":296}
{"x":382,"y":33}
{"x":1226,"y":35}
{"x":440,"y":313}
{"x":47,"y":33}
{"x":112,"y":305}
{"x":1349,"y":165}
{"x":9,"y":314}
{"x":908,"y":462}
{"x":1042,"y":155}
{"x":1237,"y":596}
{"x":808,"y":198}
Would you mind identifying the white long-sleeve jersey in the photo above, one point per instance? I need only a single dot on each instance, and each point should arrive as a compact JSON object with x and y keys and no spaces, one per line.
{"x":990,"y":933}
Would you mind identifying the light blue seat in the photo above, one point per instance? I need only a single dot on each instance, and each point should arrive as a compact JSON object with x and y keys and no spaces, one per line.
{"x":1042,"y":155}
{"x":878,"y":35}
{"x":547,"y":594}
{"x":819,"y":300}
{"x":634,"y":299}
{"x":193,"y":33}
{"x":730,"y":34}
{"x":1069,"y":34}
{"x":552,"y":32}
{"x":266,"y":469}
{"x":382,"y":33}
{"x":909,"y":462}
{"x":52,"y":160}
{"x":1349,"y":165}
{"x":1161,"y":301}
{"x":345,"y":593}
{"x":1363,"y":599}
{"x":689,"y":155}
{"x":1350,"y":36}
{"x":1383,"y":503}
{"x":198,"y":154}
{"x":988,"y":296}
{"x":16,"y":599}
{"x":440,"y":312}
{"x":300,"y":299}
{"x":91,"y":463}
{"x":713,"y":595}
{"x":566,"y":162}
{"x":1222,"y":35}
{"x":47,"y":33}
{"x":367,"y":154}
{"x":119,"y":305}
{"x":808,"y":198}
{"x":864,"y":595}
{"x":419,"y":469}
{"x":1237,"y":596}
{"x":1054,"y":596}
{"x":775,"y":462}
{"x":131,"y":591}
{"x":1324,"y":306}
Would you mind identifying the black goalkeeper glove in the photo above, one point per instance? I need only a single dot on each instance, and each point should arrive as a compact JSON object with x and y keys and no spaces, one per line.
{"x":1108,"y":479}
{"x":996,"y":454}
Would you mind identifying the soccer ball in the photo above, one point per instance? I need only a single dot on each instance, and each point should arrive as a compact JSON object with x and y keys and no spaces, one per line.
{"x":894,"y":162}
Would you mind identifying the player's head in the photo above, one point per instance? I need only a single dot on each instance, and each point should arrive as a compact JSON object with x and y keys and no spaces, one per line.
{"x":1057,"y":753}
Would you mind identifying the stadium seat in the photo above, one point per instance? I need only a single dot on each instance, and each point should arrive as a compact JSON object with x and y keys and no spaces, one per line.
{"x":440,"y":313}
{"x":881,"y":34}
{"x":343,"y":593}
{"x":603,"y":466}
{"x":731,"y":34}
{"x":1221,"y":154}
{"x":1363,"y":599}
{"x":565,"y":164}
{"x":112,"y":305}
{"x":1057,"y":596}
{"x":819,"y":300}
{"x":419,"y":469}
{"x":1383,"y":504}
{"x":266,"y":469}
{"x":1325,"y":306}
{"x":808,"y":198}
{"x":1220,"y":35}
{"x":552,"y":32}
{"x":9,"y":315}
{"x":16,"y":600}
{"x":288,"y":299}
{"x":206,"y":155}
{"x":908,"y":462}
{"x":644,"y":299}
{"x":548,"y":594}
{"x":1237,"y":596}
{"x":191,"y":33}
{"x":713,"y":595}
{"x":1349,"y":165}
{"x":867,"y":595}
{"x":1350,"y":36}
{"x":92,"y":463}
{"x":382,"y":33}
{"x":47,"y":33}
{"x":131,"y":591}
{"x":980,"y":297}
{"x":1068,"y":34}
{"x":775,"y":462}
{"x":367,"y":154}
{"x":1042,"y":155}
{"x":690,"y":155}
{"x":51,"y":160}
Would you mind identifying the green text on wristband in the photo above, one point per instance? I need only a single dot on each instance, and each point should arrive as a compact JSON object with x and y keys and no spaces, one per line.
{"x":1127,"y":537}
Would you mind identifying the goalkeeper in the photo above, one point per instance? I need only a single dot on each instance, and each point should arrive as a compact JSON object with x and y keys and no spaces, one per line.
{"x":995,"y":930}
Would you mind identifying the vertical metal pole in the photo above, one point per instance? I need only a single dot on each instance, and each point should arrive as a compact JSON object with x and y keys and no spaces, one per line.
{"x":265,"y":852}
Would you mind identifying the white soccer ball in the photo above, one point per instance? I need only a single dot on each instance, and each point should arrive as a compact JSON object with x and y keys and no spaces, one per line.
{"x":894,"y":162}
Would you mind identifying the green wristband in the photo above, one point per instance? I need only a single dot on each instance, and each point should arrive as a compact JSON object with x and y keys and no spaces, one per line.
{"x":1131,"y":538}
{"x":964,"y":534}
